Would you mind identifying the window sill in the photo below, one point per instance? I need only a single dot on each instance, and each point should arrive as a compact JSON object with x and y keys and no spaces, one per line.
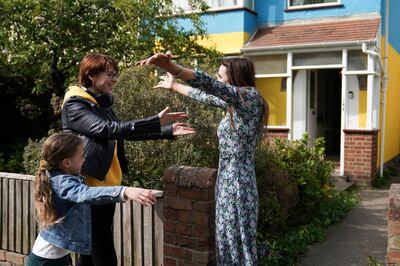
{"x":316,"y":6}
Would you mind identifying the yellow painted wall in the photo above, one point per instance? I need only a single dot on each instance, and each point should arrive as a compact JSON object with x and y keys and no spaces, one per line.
{"x":392,"y":131}
{"x":362,"y":109}
{"x":227,"y":43}
{"x":270,"y":89}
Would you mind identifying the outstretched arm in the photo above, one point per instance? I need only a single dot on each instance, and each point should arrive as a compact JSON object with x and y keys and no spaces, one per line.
{"x":168,"y":82}
{"x":72,"y":189}
{"x":81,"y":119}
{"x":198,"y":79}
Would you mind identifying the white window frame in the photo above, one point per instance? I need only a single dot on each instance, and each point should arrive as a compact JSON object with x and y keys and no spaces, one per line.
{"x":239,"y":5}
{"x":309,"y":6}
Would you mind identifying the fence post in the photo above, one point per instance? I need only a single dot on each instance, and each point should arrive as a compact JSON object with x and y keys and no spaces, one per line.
{"x":189,"y":216}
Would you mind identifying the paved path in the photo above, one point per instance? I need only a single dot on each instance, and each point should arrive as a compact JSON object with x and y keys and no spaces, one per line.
{"x":361,"y":234}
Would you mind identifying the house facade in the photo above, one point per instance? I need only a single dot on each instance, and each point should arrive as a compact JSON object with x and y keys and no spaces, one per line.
{"x":326,"y":67}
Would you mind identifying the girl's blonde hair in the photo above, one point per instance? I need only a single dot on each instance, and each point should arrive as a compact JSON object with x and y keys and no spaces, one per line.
{"x":56,"y":148}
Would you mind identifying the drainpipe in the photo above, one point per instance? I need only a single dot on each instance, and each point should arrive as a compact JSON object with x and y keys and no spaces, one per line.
{"x":373,"y":53}
{"x":385,"y":85}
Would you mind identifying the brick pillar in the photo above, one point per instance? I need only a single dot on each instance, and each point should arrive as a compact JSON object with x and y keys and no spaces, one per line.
{"x":9,"y":258}
{"x":277,"y":133}
{"x":393,"y":249}
{"x":189,"y":216}
{"x":361,"y":155}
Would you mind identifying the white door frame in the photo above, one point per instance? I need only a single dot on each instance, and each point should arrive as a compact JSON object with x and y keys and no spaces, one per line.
{"x":311,"y":118}
{"x":372,"y":102}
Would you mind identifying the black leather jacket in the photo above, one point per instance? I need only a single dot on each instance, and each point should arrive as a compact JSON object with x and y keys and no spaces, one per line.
{"x":99,"y":128}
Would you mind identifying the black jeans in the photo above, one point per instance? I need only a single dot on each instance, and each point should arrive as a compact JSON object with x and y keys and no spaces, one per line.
{"x":103,"y":251}
{"x":34,"y":260}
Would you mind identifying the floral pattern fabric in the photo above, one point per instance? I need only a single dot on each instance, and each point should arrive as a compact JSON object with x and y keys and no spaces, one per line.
{"x":236,"y":188}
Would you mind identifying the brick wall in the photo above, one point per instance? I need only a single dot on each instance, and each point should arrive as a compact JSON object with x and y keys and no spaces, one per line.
{"x":361,"y":155}
{"x":8,"y":258}
{"x":277,"y":133}
{"x":393,"y":250}
{"x":189,"y":214}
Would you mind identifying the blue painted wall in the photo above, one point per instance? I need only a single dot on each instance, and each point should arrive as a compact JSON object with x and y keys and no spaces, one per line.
{"x":272,"y":11}
{"x":394,"y":24}
{"x":227,"y":21}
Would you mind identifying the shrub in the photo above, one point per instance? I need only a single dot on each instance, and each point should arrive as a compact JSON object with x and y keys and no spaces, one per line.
{"x":32,"y":154}
{"x":296,"y":202}
{"x":135,"y":98}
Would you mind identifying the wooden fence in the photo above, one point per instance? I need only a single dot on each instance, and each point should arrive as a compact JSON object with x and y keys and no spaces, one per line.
{"x":138,"y":230}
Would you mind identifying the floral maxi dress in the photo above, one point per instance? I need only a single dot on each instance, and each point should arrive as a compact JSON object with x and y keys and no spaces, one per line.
{"x":236,"y":188}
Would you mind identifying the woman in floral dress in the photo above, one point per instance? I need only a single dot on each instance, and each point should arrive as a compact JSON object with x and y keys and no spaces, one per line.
{"x":246,"y":114}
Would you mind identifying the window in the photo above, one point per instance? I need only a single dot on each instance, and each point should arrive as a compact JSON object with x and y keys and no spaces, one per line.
{"x":270,"y":64}
{"x":357,"y":60}
{"x":216,"y":4}
{"x":317,"y":58}
{"x":311,"y":3}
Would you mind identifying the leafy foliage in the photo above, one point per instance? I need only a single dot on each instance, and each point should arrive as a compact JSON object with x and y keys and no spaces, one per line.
{"x":42,"y":43}
{"x":32,"y":154}
{"x":45,"y":40}
{"x":296,"y":202}
{"x":135,"y":98}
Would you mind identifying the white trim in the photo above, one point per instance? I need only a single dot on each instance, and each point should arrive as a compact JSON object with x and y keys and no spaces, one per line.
{"x":308,"y":46}
{"x":370,"y":92}
{"x":360,"y":72}
{"x":308,"y":6}
{"x":289,"y":96}
{"x":239,"y":5}
{"x":280,"y":75}
{"x":313,"y":50}
{"x":313,"y":6}
{"x":317,"y":67}
{"x":343,"y":111}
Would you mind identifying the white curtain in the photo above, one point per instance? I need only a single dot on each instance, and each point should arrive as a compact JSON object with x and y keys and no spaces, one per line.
{"x":310,"y":2}
{"x":297,"y":2}
{"x":212,"y":3}
{"x":222,"y":3}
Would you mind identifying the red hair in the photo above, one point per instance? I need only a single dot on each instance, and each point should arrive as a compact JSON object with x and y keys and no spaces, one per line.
{"x":92,"y":65}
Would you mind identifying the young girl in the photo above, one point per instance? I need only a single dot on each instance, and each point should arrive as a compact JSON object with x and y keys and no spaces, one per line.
{"x":63,"y":201}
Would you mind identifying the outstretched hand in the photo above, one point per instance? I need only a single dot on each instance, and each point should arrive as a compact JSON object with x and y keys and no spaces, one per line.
{"x":166,"y":82}
{"x":168,"y":118}
{"x":181,"y":129}
{"x":140,"y":195}
{"x":159,"y":59}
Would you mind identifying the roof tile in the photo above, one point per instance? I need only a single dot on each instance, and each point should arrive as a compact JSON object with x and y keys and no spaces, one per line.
{"x":333,"y":31}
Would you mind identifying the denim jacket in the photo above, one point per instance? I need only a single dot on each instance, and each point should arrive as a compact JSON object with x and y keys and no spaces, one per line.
{"x":72,"y":200}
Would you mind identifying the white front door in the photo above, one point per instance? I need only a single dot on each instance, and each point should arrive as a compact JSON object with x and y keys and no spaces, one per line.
{"x":312,"y":104}
{"x":299,"y":104}
{"x":305,"y":104}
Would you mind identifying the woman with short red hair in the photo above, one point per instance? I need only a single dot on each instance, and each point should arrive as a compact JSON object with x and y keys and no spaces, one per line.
{"x":87,"y":112}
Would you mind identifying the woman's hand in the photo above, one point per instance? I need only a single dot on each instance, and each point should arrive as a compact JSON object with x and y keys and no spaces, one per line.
{"x":140,"y":195}
{"x":165,"y":61}
{"x":181,"y":129}
{"x":166,"y":82}
{"x":160,"y":60}
{"x":168,"y":118}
